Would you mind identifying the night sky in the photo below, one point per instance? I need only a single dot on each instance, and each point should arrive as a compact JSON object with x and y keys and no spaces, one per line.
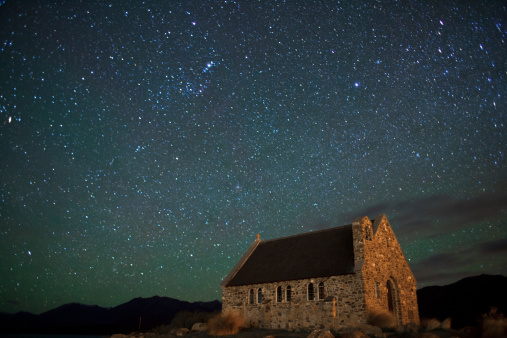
{"x":144,"y":144}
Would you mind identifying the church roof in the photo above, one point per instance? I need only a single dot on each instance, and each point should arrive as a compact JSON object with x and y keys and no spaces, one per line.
{"x":321,"y":253}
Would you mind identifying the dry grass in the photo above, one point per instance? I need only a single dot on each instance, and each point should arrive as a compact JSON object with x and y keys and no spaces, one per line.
{"x":494,"y":324}
{"x":446,"y":324}
{"x":225,"y":323}
{"x":431,"y":324}
{"x":382,"y":319}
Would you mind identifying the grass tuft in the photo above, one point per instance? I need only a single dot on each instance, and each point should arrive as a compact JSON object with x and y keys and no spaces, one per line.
{"x":382,"y":319}
{"x":431,"y":324}
{"x":494,"y":324}
{"x":225,"y":324}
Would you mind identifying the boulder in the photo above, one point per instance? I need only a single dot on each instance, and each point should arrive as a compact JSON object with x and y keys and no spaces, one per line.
{"x":200,"y":327}
{"x":182,"y":331}
{"x":355,"y":334}
{"x":408,"y":328}
{"x":446,"y":324}
{"x":432,"y":324}
{"x":321,"y":334}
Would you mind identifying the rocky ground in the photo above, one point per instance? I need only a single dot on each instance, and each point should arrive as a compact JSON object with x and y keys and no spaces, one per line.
{"x":363,"y":332}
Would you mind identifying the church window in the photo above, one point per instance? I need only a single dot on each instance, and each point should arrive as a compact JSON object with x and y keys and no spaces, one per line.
{"x":288,"y":293}
{"x":376,"y":290}
{"x":279,"y":294}
{"x":321,"y":290}
{"x":311,"y":295}
{"x":252,"y":298}
{"x":259,"y":296}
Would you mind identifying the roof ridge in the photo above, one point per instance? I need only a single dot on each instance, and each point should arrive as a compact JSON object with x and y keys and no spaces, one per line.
{"x":306,"y":233}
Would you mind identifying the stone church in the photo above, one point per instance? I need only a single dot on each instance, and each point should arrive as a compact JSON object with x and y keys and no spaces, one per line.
{"x":329,"y":279}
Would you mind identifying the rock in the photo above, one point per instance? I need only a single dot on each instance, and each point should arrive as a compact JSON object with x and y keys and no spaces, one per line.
{"x":321,"y":334}
{"x":136,"y":335}
{"x":151,"y":335}
{"x":446,"y":324}
{"x":408,"y":328}
{"x":119,"y":335}
{"x":432,"y":324}
{"x":201,"y":327}
{"x":371,"y":330}
{"x":182,"y":331}
{"x":355,"y":334}
{"x":428,"y":335}
{"x":469,"y":331}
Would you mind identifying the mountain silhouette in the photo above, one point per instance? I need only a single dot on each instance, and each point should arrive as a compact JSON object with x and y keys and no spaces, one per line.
{"x":464,"y":301}
{"x":77,"y":318}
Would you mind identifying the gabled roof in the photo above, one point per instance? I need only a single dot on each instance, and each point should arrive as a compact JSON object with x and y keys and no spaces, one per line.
{"x":322,"y":253}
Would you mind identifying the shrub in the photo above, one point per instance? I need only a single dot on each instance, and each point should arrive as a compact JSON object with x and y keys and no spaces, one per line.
{"x":435,"y":324}
{"x":431,"y":324}
{"x":225,"y":323}
{"x":494,"y":324}
{"x":382,"y":319}
{"x":446,"y":324}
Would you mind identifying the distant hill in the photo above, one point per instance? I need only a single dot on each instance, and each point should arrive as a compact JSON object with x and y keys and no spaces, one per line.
{"x":93,"y":319}
{"x":464,"y":301}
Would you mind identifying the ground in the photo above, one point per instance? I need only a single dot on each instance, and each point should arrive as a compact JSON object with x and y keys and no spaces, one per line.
{"x":254,"y":333}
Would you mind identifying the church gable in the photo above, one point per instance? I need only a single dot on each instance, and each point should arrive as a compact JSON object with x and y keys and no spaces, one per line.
{"x":383,"y":232}
{"x":388,"y":279}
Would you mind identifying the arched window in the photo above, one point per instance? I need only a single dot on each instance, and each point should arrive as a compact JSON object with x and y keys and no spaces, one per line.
{"x":311,"y":295}
{"x":390,"y":303}
{"x":279,"y":294}
{"x":259,"y":296}
{"x":252,"y":298}
{"x":322,"y":295}
{"x":288,"y":294}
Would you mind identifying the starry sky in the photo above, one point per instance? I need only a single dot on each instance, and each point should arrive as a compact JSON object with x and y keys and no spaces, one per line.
{"x":144,"y":144}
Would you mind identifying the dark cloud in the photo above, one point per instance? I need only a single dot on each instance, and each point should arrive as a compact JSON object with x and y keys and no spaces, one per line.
{"x":494,"y":247}
{"x":438,"y":214}
{"x":449,"y":267}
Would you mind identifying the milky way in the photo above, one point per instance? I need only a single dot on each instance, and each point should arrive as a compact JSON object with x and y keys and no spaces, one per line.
{"x":145,"y":144}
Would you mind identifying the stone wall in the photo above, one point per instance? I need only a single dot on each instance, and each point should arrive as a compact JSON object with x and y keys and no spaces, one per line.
{"x":343,"y":304}
{"x":384,"y":263}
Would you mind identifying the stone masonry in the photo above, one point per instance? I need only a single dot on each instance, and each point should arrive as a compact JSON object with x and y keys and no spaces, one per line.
{"x":379,"y":279}
{"x":384,"y":266}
